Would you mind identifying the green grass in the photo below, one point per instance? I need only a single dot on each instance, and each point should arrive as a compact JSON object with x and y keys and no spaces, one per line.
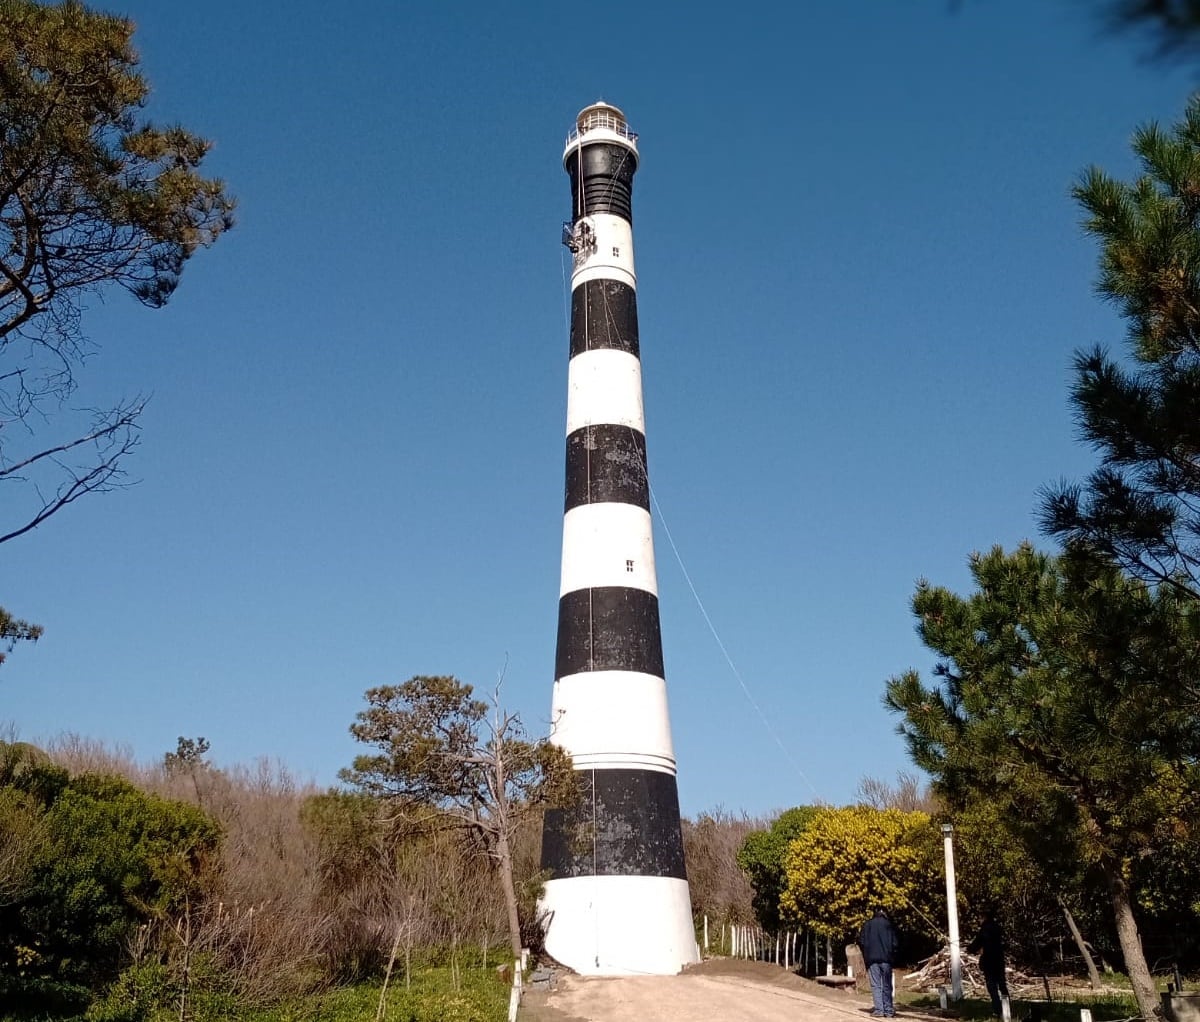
{"x":1104,"y":1007}
{"x":432,"y":997}
{"x":481,"y":997}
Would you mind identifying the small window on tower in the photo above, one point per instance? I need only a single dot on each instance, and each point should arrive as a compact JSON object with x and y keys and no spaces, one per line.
{"x":629,"y":565}
{"x":616,"y":251}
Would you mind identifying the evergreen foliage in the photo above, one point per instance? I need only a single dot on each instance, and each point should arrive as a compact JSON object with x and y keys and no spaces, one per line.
{"x":92,"y":197}
{"x":13,"y":630}
{"x":1030,"y":895}
{"x":103,"y":859}
{"x":1141,"y":507}
{"x":1063,"y":699}
{"x":761,"y":858}
{"x":1173,"y":25}
{"x":443,"y":759}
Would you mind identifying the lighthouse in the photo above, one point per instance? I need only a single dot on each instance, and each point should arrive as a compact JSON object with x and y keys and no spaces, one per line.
{"x":616,"y":901}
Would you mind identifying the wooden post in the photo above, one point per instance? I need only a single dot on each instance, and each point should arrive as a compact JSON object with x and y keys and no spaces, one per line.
{"x":828,"y":956}
{"x":706,"y":933}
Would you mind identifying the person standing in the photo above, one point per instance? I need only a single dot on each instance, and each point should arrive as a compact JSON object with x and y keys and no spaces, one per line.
{"x":878,"y":941}
{"x":989,"y":943}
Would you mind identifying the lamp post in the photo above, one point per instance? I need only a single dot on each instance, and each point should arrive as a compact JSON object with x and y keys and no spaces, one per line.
{"x":956,"y":988}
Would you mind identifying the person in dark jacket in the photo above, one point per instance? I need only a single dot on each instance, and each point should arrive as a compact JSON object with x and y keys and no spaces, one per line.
{"x":878,"y":941}
{"x":989,"y":943}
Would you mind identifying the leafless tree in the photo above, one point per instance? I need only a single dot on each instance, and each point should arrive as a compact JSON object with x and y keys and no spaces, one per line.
{"x":908,"y":794}
{"x":719,"y":888}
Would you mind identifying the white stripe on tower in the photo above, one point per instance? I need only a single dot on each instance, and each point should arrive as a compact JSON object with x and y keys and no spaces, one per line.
{"x":617,"y":900}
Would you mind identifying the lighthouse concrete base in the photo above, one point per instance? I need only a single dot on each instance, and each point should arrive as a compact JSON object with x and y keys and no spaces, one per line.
{"x":620,"y":925}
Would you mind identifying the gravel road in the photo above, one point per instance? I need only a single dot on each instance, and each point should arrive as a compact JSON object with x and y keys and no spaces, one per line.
{"x":720,"y":990}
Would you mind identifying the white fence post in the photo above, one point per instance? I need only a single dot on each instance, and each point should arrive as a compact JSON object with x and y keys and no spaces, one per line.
{"x":514,"y":996}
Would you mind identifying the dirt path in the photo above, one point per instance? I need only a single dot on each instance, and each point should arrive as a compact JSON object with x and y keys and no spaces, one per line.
{"x":720,"y":990}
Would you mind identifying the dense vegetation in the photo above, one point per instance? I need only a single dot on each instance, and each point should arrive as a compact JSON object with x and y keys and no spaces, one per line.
{"x":131,"y":892}
{"x":126,"y":889}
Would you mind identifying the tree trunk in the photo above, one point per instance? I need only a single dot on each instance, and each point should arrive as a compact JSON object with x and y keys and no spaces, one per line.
{"x":1131,"y":944}
{"x":1093,"y":975}
{"x":510,"y":894}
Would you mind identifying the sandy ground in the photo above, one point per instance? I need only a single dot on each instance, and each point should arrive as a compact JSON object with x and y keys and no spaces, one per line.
{"x":720,"y":990}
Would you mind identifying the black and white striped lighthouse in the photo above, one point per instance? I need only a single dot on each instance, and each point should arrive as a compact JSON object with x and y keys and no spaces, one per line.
{"x":617,"y":900}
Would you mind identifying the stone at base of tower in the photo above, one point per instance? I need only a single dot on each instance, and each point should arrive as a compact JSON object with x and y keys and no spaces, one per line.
{"x":620,"y":925}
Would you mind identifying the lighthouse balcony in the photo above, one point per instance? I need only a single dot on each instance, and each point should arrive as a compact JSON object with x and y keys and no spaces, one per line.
{"x":601,"y":122}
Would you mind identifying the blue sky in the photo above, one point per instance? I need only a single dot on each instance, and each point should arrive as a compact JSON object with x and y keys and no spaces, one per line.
{"x":860,"y":276}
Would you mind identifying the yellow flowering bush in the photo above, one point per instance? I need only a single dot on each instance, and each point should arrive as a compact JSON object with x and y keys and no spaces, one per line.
{"x":848,"y":861}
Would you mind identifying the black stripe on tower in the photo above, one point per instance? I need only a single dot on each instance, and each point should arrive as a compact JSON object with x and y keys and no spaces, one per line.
{"x":626,"y":823}
{"x":605,"y":172}
{"x":606,"y":464}
{"x":604,"y":315}
{"x":608,"y":628}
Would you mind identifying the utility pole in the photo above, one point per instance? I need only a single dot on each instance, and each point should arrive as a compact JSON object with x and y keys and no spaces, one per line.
{"x":956,"y":988}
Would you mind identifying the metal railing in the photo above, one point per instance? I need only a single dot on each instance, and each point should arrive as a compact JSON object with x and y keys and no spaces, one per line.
{"x":602,"y":119}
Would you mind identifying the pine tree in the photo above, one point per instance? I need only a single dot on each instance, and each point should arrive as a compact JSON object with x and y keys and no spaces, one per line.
{"x":92,"y":198}
{"x":1172,"y":25}
{"x":445,"y":759}
{"x":14,"y":630}
{"x":1141,"y":507}
{"x":1066,"y":698}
